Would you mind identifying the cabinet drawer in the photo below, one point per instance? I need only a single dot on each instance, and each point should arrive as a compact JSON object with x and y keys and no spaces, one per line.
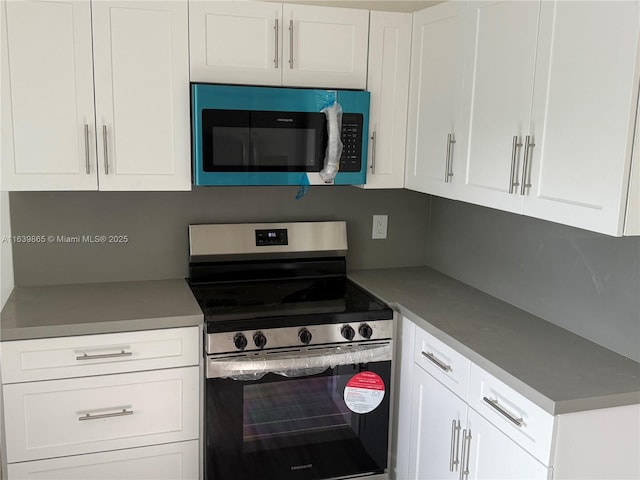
{"x":173,"y":461}
{"x":93,"y":414}
{"x":524,"y":422}
{"x":66,"y":357}
{"x":443,"y":362}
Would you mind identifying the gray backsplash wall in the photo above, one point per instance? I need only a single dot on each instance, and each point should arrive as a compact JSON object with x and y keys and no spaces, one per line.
{"x":582,"y":281}
{"x":156,"y":226}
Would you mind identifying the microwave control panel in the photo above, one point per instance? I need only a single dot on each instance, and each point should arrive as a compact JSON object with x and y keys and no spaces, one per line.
{"x":350,"y":161}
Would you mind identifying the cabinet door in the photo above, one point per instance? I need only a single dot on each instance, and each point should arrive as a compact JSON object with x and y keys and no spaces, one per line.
{"x":494,"y":456}
{"x":48,"y":126}
{"x":584,"y":113}
{"x":435,"y":100}
{"x":388,"y":83}
{"x":172,"y":461}
{"x":236,"y":42}
{"x":142,"y":95}
{"x":499,"y":74}
{"x":325,"y":47}
{"x":402,"y":420}
{"x":92,"y":414}
{"x":436,"y":434}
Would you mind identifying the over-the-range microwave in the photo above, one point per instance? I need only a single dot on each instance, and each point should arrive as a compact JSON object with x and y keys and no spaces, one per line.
{"x":243,"y":135}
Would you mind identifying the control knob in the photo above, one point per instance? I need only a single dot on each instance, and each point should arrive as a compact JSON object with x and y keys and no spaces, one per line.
{"x":240,"y":341}
{"x":259,"y":339}
{"x":365,"y":330}
{"x":305,"y":336}
{"x":348,"y":332}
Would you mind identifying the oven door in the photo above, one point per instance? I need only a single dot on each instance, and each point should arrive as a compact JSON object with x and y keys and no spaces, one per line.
{"x":323,"y":414}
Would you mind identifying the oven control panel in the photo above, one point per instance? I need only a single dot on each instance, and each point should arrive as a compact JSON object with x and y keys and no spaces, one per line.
{"x":302,"y":336}
{"x":276,"y":236}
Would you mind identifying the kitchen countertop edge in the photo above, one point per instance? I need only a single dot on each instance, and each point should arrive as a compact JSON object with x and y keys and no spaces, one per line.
{"x":89,"y":309}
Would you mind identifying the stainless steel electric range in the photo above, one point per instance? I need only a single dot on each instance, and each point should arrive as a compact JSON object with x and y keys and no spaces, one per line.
{"x":298,"y":369}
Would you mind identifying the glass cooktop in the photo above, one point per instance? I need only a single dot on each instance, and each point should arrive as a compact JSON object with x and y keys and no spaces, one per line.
{"x":335,"y":297}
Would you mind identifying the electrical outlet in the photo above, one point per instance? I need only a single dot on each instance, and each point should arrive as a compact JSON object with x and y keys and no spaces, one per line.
{"x":379,"y":230}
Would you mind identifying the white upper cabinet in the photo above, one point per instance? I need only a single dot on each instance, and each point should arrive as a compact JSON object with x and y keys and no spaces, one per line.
{"x":632,"y":221}
{"x":549,"y":108}
{"x":236,"y":42}
{"x":584,"y":110}
{"x":325,"y":47}
{"x":499,"y":74}
{"x":138,"y":136}
{"x":388,"y":83}
{"x":267,"y":43}
{"x":142,"y":95}
{"x":434,"y":131}
{"x":48,"y":126}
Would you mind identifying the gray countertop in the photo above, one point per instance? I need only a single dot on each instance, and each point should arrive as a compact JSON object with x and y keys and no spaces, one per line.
{"x":85,"y":309}
{"x":558,"y":370}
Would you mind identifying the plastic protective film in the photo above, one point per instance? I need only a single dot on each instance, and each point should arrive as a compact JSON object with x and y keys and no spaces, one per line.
{"x":296,"y":364}
{"x":334,"y":143}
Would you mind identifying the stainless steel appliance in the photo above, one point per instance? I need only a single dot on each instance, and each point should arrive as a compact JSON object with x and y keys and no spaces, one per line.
{"x":298,"y":357}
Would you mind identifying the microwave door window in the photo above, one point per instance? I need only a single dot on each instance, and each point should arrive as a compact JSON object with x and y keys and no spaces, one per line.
{"x":226,"y":141}
{"x":284,"y":149}
{"x":288,"y":141}
{"x":230,"y":147}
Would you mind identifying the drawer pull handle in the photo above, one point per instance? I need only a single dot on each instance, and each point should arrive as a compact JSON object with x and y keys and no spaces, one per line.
{"x":466,"y":453}
{"x":439,"y":363}
{"x":122,"y":353}
{"x":123,"y":413}
{"x":454,"y":461}
{"x":512,"y":418}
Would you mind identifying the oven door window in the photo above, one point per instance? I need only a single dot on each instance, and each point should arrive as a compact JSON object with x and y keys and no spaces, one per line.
{"x":294,"y":412}
{"x":294,"y":427}
{"x":263,"y":141}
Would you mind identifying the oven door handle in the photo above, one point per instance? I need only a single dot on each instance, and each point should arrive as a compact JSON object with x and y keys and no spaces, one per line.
{"x":300,"y":363}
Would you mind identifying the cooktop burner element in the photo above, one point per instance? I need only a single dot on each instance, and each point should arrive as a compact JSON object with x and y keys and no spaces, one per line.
{"x":259,"y":295}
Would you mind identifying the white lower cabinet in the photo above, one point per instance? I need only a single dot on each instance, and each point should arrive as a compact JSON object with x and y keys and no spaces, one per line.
{"x":490,"y":454}
{"x":129,"y":410}
{"x":72,"y":416}
{"x":159,"y":462}
{"x":439,"y":417}
{"x":450,"y":440}
{"x":464,"y":423}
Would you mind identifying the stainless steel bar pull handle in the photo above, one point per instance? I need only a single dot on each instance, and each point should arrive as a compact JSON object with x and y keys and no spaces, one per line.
{"x":448,"y":173}
{"x":439,"y":363}
{"x":291,"y":44}
{"x":508,"y":415}
{"x":123,"y":413}
{"x":466,"y":452}
{"x":513,"y":179}
{"x":121,"y":353}
{"x":276,"y":28}
{"x":106,"y":150}
{"x":373,"y":152}
{"x":528,"y":146}
{"x":87,"y":161}
{"x":454,"y":460}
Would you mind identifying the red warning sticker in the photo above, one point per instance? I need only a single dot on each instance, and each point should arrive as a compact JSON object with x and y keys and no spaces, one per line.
{"x":364,"y":392}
